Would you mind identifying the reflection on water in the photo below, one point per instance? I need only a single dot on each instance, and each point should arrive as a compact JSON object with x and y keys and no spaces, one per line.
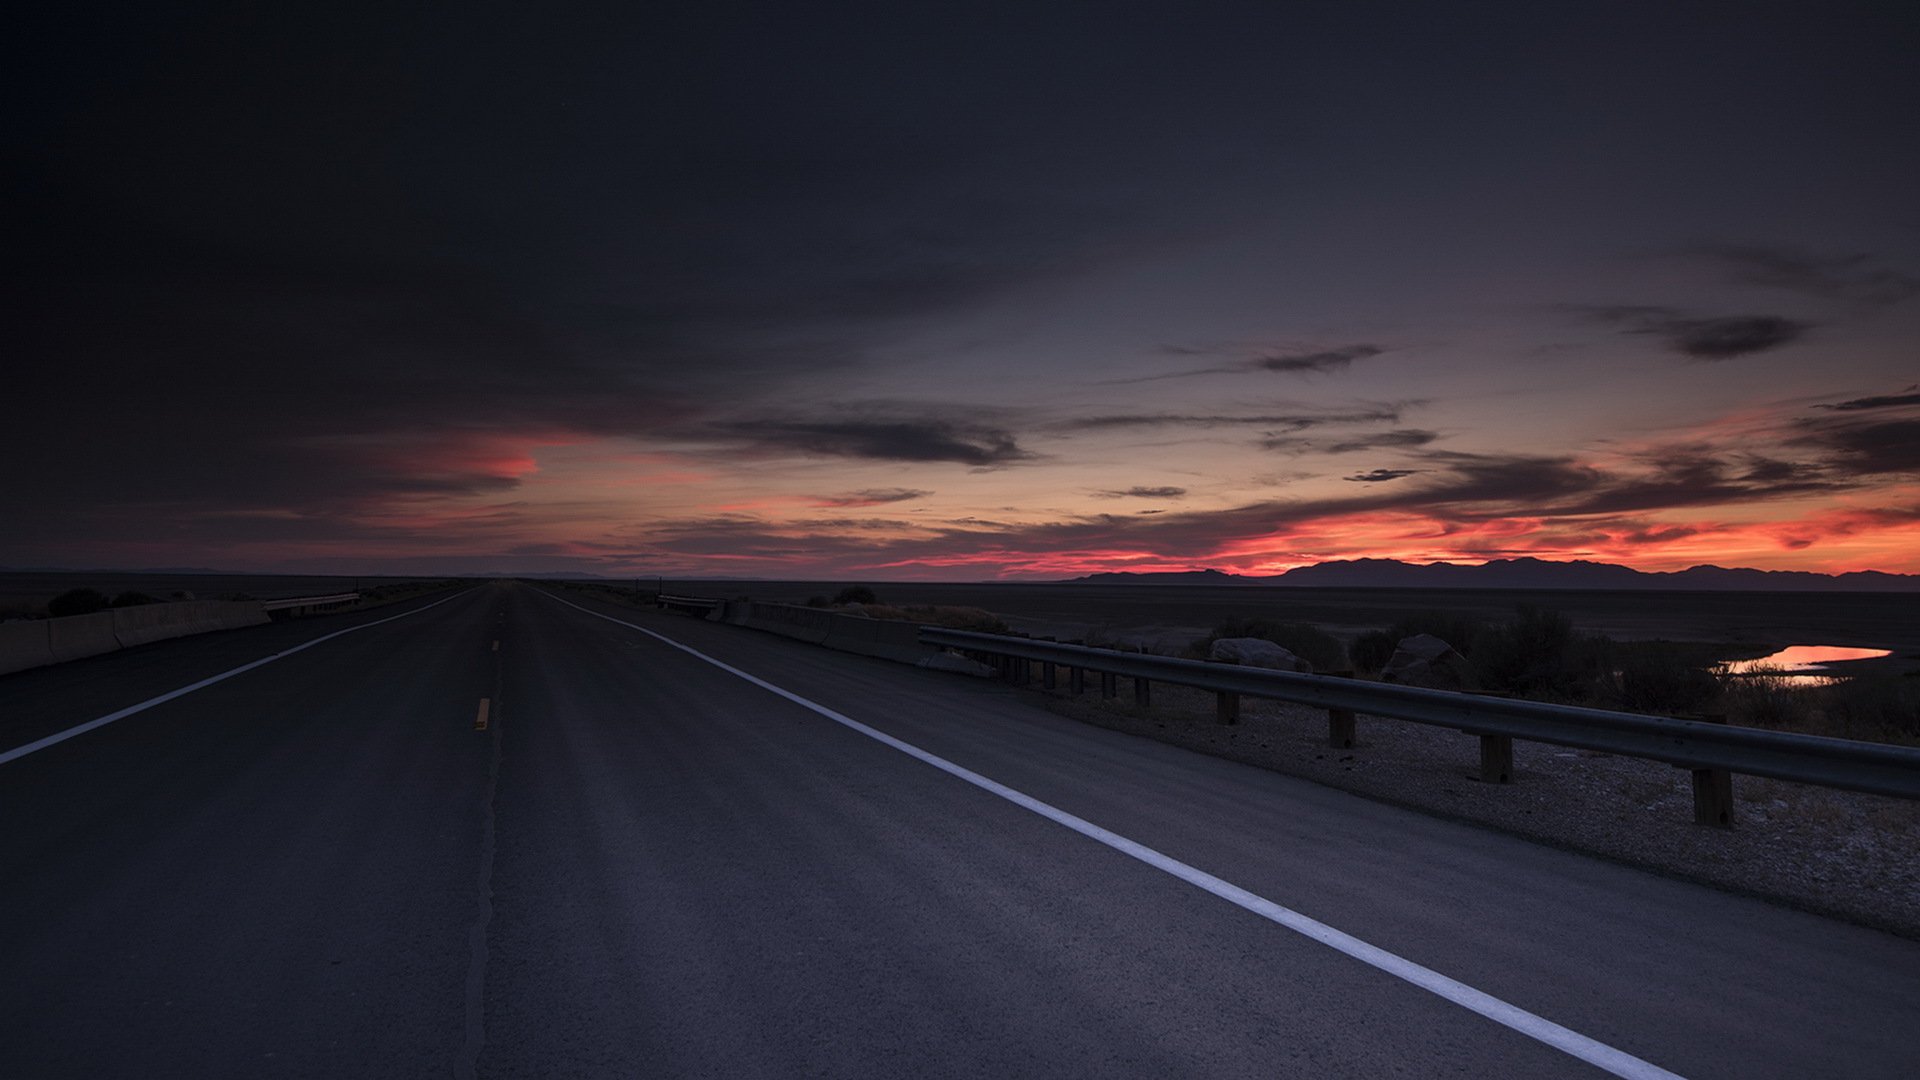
{"x":1798,"y":664}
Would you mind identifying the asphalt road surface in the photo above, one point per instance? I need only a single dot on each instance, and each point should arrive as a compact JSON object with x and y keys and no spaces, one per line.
{"x":645,"y":864}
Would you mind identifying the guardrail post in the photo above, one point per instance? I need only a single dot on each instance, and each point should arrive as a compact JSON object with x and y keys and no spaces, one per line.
{"x":1496,"y":759}
{"x":1496,"y":751}
{"x":1076,"y":681}
{"x":1142,"y":691}
{"x":1226,"y":707}
{"x":1340,"y":733}
{"x":1049,"y":674}
{"x":1340,"y":729}
{"x":1109,"y":685}
{"x":1712,"y":789}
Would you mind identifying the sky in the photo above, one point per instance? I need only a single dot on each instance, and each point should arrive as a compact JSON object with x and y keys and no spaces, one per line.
{"x":961,"y":292}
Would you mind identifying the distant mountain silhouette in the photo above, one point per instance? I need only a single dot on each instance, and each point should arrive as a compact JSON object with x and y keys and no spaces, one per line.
{"x":1528,"y":573}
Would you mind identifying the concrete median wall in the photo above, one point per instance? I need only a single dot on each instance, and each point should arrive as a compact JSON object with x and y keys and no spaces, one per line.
{"x":24,"y":645}
{"x":78,"y":636}
{"x":39,"y":642}
{"x":811,"y":625}
{"x":888,"y":639}
{"x":147,"y":623}
{"x":159,"y":622}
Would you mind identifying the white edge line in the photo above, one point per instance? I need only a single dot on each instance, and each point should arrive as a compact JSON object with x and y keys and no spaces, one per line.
{"x":1592,"y":1051}
{"x":82,"y":729}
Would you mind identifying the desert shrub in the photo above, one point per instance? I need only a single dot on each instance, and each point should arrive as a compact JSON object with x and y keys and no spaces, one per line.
{"x":1371,"y":650}
{"x":883,"y":611}
{"x":958,"y":618}
{"x":1528,"y":655}
{"x":78,"y":602}
{"x":1309,"y":642}
{"x":1764,"y":700}
{"x":855,"y":594}
{"x":131,"y":598}
{"x":1872,"y":707}
{"x":953,"y":618}
{"x":1653,"y":680}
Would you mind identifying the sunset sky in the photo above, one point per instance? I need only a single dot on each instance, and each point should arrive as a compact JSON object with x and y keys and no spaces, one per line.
{"x":963,"y":291}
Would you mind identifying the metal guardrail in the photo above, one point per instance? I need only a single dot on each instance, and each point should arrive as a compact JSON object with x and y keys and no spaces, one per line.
{"x":1713,"y":751}
{"x":688,"y":603}
{"x":290,"y":602}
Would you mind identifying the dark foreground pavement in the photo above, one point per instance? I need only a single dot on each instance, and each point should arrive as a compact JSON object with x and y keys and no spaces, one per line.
{"x":647,"y":866}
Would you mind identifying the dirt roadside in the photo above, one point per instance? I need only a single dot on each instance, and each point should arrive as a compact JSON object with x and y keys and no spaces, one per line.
{"x":1837,"y":853}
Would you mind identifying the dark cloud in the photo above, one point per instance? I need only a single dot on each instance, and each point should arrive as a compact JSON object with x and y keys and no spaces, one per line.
{"x":916,"y":439}
{"x":1884,"y":401}
{"x":1316,"y":362}
{"x":1288,"y":421}
{"x":1145,"y":493}
{"x":1307,"y":362}
{"x":390,"y":262}
{"x":1709,"y":339}
{"x":1400,"y":439}
{"x":1868,"y":449}
{"x":872,"y":497}
{"x":1377,"y":476}
{"x":1856,"y":278}
{"x":1569,"y":503}
{"x":1724,"y":339}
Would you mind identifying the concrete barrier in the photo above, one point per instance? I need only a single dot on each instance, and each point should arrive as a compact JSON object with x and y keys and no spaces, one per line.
{"x":24,"y":644}
{"x":234,"y":614}
{"x":77,"y":636}
{"x":148,"y":623}
{"x":888,"y":639}
{"x":802,"y":623}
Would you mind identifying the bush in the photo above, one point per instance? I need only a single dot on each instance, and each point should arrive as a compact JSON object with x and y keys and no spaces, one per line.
{"x":1873,"y":707}
{"x":1372,"y":650}
{"x":1763,"y":699}
{"x":855,"y":594}
{"x":1306,"y":641}
{"x":817,"y":601}
{"x":133,"y":599}
{"x":1528,"y":655}
{"x":78,"y":602}
{"x":1653,"y":680}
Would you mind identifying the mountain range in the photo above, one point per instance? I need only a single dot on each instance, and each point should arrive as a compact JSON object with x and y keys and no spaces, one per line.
{"x":1527,"y":573}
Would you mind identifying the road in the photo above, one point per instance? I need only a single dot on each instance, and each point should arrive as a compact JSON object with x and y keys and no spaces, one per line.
{"x":647,"y":865}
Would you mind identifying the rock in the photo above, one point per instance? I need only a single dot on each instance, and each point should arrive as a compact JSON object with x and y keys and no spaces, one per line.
{"x":1425,"y":660}
{"x":1256,"y":652}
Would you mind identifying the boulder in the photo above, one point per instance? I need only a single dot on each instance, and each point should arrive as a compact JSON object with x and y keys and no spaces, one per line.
{"x":1425,"y":660}
{"x":1256,"y":652}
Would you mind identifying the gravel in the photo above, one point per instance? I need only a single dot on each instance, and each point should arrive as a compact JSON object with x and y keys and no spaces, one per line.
{"x":1837,"y":853}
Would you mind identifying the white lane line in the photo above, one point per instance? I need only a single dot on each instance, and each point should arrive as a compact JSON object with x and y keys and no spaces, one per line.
{"x":1592,"y":1051}
{"x":82,"y":729}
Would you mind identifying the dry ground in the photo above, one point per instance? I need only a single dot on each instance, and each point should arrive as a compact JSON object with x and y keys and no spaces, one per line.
{"x":1848,"y":855}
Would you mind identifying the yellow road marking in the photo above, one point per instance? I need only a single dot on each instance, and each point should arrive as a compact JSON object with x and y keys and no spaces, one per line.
{"x":480,"y":721}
